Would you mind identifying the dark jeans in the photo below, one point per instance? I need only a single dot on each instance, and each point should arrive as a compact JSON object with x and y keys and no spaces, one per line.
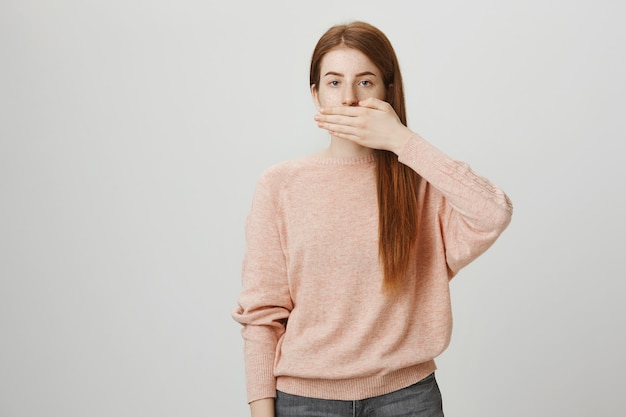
{"x":422,"y":399}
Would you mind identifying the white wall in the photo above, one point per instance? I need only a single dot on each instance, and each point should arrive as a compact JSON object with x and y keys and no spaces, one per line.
{"x":132,"y":134}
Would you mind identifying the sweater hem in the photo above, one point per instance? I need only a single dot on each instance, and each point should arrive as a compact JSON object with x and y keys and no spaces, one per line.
{"x":356,"y":388}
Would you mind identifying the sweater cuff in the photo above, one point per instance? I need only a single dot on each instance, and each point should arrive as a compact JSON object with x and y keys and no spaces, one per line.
{"x":417,"y":152}
{"x":261,"y":382}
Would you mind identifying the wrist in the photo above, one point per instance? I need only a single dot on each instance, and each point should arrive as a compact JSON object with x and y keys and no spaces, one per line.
{"x":262,"y":408}
{"x":401,"y":141}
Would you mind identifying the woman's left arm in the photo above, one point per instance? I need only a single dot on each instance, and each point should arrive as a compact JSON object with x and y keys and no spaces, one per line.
{"x":477,"y":211}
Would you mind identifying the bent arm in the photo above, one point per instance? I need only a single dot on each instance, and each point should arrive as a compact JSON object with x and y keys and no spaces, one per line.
{"x":475,"y":212}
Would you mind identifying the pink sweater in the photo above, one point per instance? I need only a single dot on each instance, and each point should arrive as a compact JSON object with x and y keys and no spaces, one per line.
{"x":315,"y":322}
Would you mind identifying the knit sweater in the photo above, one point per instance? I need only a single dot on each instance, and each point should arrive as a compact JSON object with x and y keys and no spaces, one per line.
{"x":315,"y":321}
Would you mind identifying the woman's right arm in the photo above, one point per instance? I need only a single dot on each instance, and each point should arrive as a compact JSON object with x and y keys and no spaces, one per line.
{"x":264,"y":302}
{"x":262,"y":408}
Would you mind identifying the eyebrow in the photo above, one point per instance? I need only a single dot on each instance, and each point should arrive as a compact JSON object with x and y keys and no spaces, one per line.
{"x":360,"y":74}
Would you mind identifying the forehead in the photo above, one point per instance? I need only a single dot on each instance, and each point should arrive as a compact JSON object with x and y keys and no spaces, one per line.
{"x":347,"y":60}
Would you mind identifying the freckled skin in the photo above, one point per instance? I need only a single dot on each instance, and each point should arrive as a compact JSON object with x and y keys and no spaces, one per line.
{"x":347,"y":77}
{"x":351,"y":96}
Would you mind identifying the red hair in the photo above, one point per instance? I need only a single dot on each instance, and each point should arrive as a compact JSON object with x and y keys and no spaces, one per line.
{"x":397,"y":184}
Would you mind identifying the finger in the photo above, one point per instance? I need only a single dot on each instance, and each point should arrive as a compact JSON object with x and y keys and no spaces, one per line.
{"x":350,"y":111}
{"x":338,"y":119}
{"x":374,"y":103}
{"x":340,"y":129}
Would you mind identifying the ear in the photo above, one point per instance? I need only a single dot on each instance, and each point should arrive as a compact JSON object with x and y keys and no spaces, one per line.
{"x":315,"y":95}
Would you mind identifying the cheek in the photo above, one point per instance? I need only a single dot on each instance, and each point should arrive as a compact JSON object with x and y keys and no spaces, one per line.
{"x":329,"y":97}
{"x":378,"y":93}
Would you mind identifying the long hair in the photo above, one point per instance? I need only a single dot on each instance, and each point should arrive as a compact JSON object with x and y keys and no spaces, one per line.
{"x":397,"y":184}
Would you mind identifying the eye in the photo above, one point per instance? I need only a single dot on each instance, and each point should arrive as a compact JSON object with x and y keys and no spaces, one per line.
{"x":365,"y":83}
{"x":334,"y":83}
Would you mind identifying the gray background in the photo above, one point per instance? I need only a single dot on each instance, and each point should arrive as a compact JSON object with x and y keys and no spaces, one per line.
{"x":131,"y":137}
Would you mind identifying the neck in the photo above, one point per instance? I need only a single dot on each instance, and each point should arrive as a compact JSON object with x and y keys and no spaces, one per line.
{"x":343,"y":148}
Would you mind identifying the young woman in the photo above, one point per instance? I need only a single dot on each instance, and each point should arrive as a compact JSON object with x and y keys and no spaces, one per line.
{"x":345,"y":299}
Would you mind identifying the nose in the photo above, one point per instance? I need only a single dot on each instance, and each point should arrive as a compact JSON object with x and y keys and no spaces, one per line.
{"x":349,"y":97}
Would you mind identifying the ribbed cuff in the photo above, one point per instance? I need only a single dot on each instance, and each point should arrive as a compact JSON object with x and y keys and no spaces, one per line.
{"x":260,"y":379}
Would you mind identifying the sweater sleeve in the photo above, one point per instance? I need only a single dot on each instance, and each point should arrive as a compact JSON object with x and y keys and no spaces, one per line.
{"x":475,"y":211}
{"x":264,"y":302}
